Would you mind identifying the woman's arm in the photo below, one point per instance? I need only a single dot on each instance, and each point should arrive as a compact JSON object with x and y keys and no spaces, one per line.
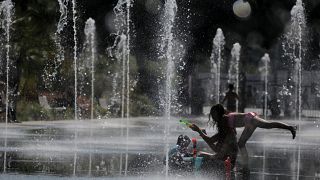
{"x":209,"y":140}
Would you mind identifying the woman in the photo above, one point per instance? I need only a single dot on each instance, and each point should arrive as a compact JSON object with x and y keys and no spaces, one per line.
{"x":224,"y":143}
{"x":250,"y":121}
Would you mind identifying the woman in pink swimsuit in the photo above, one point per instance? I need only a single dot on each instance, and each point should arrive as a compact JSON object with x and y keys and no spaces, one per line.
{"x":250,"y":121}
{"x":223,"y":143}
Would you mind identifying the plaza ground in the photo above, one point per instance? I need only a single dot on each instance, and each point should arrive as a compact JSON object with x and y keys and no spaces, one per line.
{"x":47,"y":149}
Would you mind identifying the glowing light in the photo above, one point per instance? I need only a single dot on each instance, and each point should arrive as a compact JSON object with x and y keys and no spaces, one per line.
{"x":241,"y":9}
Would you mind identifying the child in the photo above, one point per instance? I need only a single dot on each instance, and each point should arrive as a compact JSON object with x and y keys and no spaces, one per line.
{"x":178,"y":152}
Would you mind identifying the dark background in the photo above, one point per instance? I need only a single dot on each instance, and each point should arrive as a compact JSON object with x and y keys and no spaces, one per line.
{"x":196,"y":24}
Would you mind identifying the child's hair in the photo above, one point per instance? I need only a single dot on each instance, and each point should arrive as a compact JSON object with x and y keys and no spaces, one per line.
{"x":183,"y":140}
{"x":222,"y":123}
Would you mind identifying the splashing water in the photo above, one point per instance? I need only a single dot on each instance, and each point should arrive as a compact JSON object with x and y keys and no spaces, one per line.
{"x":166,"y":48}
{"x":75,"y":64}
{"x":90,"y":32}
{"x":121,"y":51}
{"x":51,"y":74}
{"x":233,"y":73}
{"x":264,"y":70}
{"x":89,"y":53}
{"x":216,"y":60}
{"x":181,"y":42}
{"x":63,"y":8}
{"x":118,"y":51}
{"x":294,"y":51}
{"x":86,"y":68}
{"x":6,"y":15}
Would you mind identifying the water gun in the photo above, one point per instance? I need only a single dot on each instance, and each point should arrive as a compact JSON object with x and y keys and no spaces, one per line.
{"x":185,"y":122}
{"x":227,"y":165}
{"x":194,"y":151}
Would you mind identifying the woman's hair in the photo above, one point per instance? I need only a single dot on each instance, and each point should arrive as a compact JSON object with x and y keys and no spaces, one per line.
{"x":222,"y":123}
{"x":220,"y":110}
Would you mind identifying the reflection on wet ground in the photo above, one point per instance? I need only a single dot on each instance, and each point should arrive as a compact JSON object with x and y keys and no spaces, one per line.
{"x":47,"y":149}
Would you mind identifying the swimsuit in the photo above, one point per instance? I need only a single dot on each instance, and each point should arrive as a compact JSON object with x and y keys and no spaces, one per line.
{"x":247,"y":118}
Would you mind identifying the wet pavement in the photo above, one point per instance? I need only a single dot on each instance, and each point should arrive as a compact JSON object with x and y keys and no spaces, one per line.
{"x":101,"y":149}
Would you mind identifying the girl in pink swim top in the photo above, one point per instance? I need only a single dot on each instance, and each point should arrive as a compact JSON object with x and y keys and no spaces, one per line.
{"x":250,"y":121}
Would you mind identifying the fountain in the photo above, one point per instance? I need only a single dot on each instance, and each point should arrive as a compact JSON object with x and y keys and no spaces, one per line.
{"x":91,"y":41}
{"x":166,"y":48}
{"x":86,"y":68}
{"x":6,"y":13}
{"x":216,"y":60}
{"x":51,"y":72}
{"x":63,"y":4}
{"x":293,"y":50}
{"x":75,"y":66}
{"x":233,"y":72}
{"x":264,"y":70}
{"x":122,"y":54}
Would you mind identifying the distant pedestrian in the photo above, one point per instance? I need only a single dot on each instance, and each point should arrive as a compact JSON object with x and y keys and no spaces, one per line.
{"x":231,"y":98}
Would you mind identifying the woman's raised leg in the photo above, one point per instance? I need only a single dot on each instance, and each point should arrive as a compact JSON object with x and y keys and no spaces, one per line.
{"x":261,"y":123}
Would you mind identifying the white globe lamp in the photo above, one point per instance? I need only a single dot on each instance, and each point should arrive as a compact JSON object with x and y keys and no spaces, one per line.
{"x":241,"y":9}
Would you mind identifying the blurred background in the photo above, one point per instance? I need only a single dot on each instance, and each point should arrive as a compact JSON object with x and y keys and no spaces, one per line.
{"x":33,"y":53}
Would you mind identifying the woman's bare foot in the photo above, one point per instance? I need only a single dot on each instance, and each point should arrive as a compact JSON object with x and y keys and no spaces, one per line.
{"x":293,"y":131}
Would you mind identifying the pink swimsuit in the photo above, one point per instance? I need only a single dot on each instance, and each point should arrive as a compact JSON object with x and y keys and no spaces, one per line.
{"x":247,"y":118}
